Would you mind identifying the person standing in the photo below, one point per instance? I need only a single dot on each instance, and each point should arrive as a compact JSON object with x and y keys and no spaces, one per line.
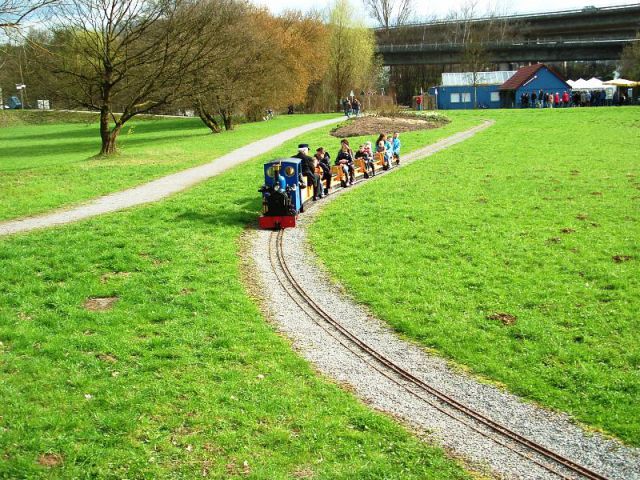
{"x":308,"y":168}
{"x":356,"y":107}
{"x":346,"y":105}
{"x":565,"y":99}
{"x":419,"y":103}
{"x":541,"y":98}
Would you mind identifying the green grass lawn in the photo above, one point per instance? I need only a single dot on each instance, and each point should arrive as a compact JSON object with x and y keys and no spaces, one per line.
{"x":515,"y":254}
{"x":183,"y":377}
{"x":48,"y":165}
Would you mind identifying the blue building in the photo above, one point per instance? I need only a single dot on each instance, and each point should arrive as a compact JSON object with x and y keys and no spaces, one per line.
{"x":528,"y":80}
{"x":460,"y":91}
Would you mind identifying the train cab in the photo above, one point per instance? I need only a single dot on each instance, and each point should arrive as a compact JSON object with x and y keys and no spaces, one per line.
{"x":281,"y":194}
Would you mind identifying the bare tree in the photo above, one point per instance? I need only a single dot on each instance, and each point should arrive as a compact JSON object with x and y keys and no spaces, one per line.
{"x":133,"y":54}
{"x":13,"y":13}
{"x":390,"y":13}
{"x":474,"y":31}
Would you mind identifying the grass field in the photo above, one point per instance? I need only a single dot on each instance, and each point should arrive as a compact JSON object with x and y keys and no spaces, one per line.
{"x":46,"y":165}
{"x":515,"y":254}
{"x":182,"y":377}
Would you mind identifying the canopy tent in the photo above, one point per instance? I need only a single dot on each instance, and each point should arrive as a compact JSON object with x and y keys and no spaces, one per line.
{"x":591,"y":84}
{"x":621,"y":82}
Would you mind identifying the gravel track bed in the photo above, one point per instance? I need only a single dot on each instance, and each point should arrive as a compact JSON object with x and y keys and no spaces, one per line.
{"x":552,"y":430}
{"x":159,"y":188}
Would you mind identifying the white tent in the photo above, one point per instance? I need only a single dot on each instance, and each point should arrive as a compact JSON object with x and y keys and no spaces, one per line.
{"x":580,"y":84}
{"x":621,"y":82}
{"x":595,"y":84}
{"x":591,"y":84}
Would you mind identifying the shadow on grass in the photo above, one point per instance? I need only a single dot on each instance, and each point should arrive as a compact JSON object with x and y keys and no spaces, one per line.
{"x":239,"y":215}
{"x":91,"y":147}
{"x":92,"y":129}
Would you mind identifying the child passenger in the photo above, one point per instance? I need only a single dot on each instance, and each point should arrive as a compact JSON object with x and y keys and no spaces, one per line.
{"x":370,"y":163}
{"x":396,"y":147}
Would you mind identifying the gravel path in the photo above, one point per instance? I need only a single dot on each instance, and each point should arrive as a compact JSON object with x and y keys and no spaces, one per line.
{"x":555,"y":431}
{"x":160,"y":188}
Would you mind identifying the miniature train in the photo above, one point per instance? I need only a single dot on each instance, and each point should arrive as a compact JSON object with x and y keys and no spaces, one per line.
{"x":282,"y":196}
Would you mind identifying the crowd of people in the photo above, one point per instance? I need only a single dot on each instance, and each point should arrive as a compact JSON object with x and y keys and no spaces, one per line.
{"x":317,"y":168}
{"x":577,"y":98}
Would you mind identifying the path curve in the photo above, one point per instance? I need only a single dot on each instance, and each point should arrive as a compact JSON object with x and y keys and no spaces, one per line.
{"x":159,"y":188}
{"x":556,"y":431}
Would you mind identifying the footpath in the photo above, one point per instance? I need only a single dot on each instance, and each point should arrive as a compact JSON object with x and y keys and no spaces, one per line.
{"x":157,"y":189}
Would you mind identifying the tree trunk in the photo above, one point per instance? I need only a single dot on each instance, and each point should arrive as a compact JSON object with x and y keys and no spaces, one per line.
{"x":109,"y":137}
{"x":208,"y":119}
{"x":107,"y":148}
{"x":227,"y":118}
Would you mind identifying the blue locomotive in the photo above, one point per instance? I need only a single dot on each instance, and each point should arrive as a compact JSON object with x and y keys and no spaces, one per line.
{"x":282,"y":197}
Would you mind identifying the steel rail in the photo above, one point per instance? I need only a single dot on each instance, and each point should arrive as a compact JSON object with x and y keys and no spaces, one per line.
{"x":501,"y":430}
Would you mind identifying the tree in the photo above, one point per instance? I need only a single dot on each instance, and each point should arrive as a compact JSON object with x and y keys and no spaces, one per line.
{"x":630,"y":61}
{"x":265,"y":62}
{"x":351,"y":51}
{"x":135,"y":54}
{"x":13,"y":13}
{"x":390,"y":13}
{"x":473,"y":34}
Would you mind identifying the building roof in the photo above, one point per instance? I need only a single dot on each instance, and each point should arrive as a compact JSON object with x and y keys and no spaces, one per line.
{"x":524,"y":74}
{"x":482,"y":78}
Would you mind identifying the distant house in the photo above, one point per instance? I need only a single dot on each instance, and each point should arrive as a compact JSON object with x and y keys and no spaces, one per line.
{"x":459,"y":91}
{"x":532,"y":78}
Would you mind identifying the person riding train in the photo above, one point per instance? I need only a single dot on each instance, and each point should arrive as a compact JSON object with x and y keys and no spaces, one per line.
{"x":344,"y":160}
{"x":308,"y":168}
{"x":324,"y":160}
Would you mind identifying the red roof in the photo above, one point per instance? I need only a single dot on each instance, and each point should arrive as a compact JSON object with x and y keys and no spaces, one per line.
{"x":524,"y":74}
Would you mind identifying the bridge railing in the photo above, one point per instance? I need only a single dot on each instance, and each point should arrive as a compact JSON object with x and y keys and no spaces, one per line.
{"x":526,"y":16}
{"x":421,"y":47}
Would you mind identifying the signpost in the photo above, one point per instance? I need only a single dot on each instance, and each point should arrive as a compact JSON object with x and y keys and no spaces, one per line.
{"x":20,"y":87}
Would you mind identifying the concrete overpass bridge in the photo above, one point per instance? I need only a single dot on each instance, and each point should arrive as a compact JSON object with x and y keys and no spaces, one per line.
{"x":587,"y":34}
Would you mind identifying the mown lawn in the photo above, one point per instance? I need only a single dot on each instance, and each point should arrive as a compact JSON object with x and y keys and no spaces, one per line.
{"x":47,"y":165}
{"x":515,"y":254}
{"x":182,"y":377}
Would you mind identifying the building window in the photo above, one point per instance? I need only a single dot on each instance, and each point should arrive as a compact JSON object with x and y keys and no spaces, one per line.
{"x":455,"y":98}
{"x":495,"y":96}
{"x":466,"y":98}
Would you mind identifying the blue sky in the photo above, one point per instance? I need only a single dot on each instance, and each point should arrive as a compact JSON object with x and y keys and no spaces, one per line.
{"x":439,"y":8}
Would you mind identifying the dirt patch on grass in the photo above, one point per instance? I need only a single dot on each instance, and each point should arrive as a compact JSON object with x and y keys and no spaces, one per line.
{"x":621,"y":258}
{"x":100,"y":304}
{"x":567,"y":230}
{"x":105,"y":357}
{"x":374,"y":125}
{"x":50,"y":460}
{"x":109,"y":275}
{"x":303,"y":472}
{"x":505,"y":318}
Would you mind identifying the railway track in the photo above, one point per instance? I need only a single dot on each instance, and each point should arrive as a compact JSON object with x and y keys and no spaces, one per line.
{"x":530,"y":451}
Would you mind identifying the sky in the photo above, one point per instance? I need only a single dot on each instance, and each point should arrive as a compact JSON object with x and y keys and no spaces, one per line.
{"x":426,"y":8}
